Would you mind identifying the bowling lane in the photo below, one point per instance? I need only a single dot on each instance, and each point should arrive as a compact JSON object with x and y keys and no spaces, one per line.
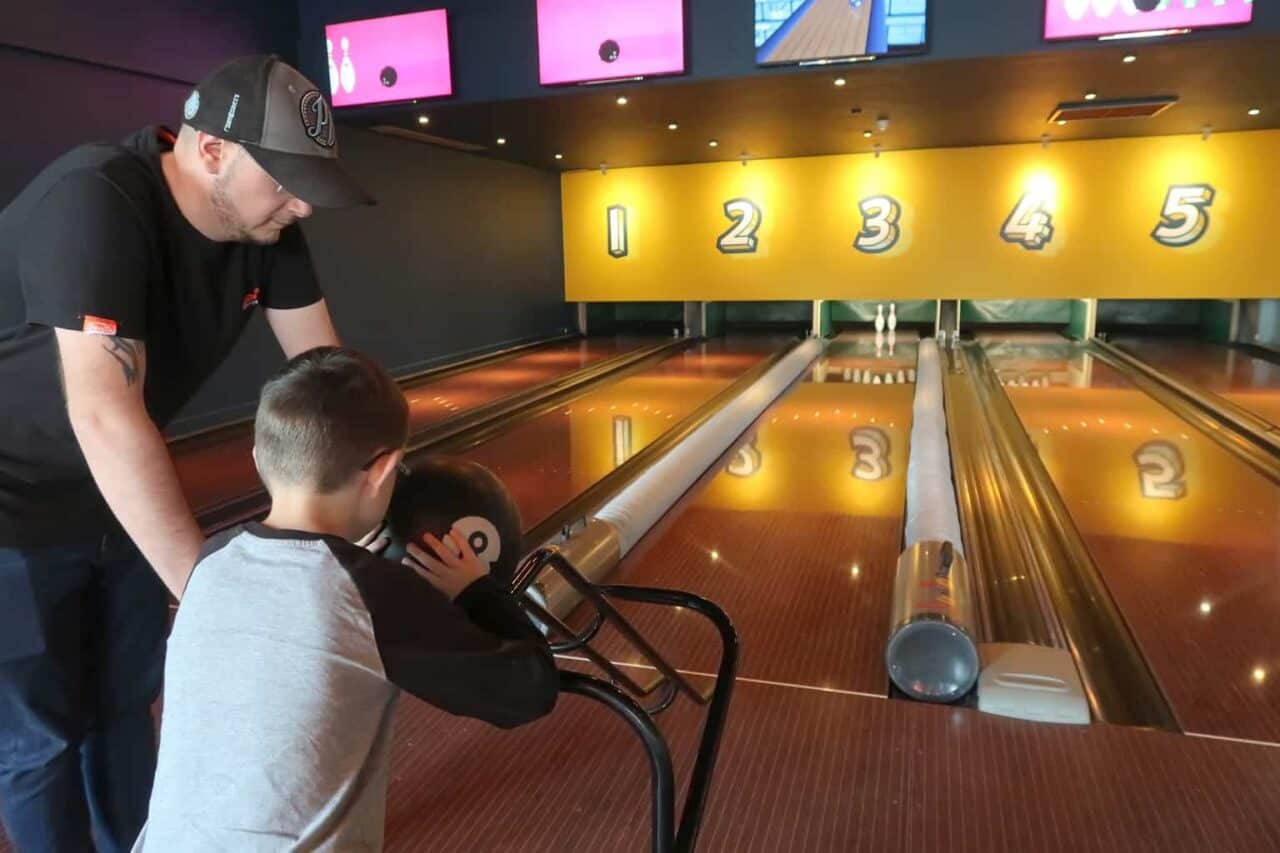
{"x":548,"y":461}
{"x":1186,"y":536}
{"x":795,"y":532}
{"x":1251,"y":383}
{"x":216,"y":467}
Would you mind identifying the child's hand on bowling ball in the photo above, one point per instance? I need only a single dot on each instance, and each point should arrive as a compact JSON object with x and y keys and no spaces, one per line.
{"x":453,"y":568}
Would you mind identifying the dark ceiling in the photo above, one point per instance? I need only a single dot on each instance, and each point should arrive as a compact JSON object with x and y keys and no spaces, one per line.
{"x":929,"y":105}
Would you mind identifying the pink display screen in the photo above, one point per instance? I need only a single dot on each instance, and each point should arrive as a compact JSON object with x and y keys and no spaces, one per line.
{"x":397,"y":58}
{"x":1069,"y":19}
{"x":586,"y":40}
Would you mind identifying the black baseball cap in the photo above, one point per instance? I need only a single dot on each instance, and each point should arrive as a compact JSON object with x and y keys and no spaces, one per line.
{"x":283,"y":121}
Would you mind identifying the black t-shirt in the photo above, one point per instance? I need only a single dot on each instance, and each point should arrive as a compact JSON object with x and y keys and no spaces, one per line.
{"x":97,"y":244}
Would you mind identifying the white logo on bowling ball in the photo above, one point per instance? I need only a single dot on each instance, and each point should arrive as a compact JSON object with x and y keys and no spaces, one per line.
{"x":483,"y":537}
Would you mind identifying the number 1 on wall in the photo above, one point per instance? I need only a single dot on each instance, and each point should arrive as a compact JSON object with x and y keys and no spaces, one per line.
{"x":617,"y":231}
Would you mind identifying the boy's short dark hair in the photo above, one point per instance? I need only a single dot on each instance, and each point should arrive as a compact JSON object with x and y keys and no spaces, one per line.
{"x":326,"y":414}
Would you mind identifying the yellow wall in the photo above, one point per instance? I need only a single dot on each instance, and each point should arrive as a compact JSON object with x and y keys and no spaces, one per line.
{"x":1105,"y":197}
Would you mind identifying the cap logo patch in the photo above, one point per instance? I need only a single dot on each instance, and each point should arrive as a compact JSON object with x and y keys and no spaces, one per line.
{"x":192,"y":106}
{"x":231,"y":111}
{"x":317,"y":118}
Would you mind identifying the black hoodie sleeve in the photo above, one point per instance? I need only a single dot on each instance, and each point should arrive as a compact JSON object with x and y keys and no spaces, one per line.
{"x":476,"y":657}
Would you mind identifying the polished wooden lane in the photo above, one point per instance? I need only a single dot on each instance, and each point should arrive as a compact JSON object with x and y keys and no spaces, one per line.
{"x":1187,"y":538}
{"x":550,"y":460}
{"x":214,"y":468}
{"x":1249,"y":382}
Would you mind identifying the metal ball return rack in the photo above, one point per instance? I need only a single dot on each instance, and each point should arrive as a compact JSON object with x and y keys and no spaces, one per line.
{"x":623,"y":695}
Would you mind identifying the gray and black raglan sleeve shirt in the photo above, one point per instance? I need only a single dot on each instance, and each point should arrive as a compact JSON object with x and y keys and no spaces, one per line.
{"x":283,"y":668}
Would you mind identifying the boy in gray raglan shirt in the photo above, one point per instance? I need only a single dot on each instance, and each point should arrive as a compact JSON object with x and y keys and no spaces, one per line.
{"x":292,"y":643}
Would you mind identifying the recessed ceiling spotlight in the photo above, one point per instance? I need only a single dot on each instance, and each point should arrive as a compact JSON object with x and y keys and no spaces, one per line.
{"x":559,"y":156}
{"x":1061,"y":121}
{"x":502,"y":140}
{"x":1129,"y":57}
{"x":866,"y":134}
{"x":423,"y":119}
{"x":622,"y":100}
{"x":1253,"y":111}
{"x":839,"y":81}
{"x":1091,"y":95}
{"x":672,"y":126}
{"x":713,"y":143}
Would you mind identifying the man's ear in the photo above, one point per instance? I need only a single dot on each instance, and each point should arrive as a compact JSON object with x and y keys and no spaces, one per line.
{"x":214,"y":153}
{"x":253,"y":451}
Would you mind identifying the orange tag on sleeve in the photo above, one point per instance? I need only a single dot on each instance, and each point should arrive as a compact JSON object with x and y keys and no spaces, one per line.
{"x":250,"y":299}
{"x":98,"y":325}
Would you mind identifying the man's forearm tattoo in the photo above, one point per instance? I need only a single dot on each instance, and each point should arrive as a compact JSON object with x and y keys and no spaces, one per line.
{"x":125,"y":352}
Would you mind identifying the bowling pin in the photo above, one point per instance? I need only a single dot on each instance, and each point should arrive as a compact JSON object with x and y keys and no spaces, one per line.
{"x":333,"y":69}
{"x":848,"y":374}
{"x":348,"y":71}
{"x":879,"y":343}
{"x":875,"y":380}
{"x":911,"y":374}
{"x":893,"y":316}
{"x":888,"y":378}
{"x":902,"y":376}
{"x":892,"y":340}
{"x":880,"y":317}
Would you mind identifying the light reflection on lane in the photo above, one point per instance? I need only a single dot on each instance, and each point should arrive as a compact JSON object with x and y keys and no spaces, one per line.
{"x":1186,"y":535}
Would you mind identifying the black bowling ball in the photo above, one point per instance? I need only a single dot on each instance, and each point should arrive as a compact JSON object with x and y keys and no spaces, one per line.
{"x":439,"y":494}
{"x":389,"y":77}
{"x":609,"y":50}
{"x":1146,"y":5}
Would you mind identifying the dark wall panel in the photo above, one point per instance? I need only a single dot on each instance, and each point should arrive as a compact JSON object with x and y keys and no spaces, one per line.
{"x":58,"y":104}
{"x":179,"y":39}
{"x":461,"y":253}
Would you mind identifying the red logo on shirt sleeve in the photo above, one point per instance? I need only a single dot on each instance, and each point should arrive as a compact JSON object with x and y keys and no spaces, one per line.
{"x":98,"y":325}
{"x":250,"y":299}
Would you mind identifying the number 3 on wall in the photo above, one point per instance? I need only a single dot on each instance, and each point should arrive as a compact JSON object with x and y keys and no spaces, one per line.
{"x":879,"y":232}
{"x":1185,"y":216}
{"x":740,"y":239}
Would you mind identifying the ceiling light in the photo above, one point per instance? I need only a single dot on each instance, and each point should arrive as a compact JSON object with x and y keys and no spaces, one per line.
{"x":1206,"y":607}
{"x":1061,"y":122}
{"x":866,"y":134}
{"x":1129,"y":57}
{"x":502,"y":140}
{"x":622,"y":100}
{"x":672,"y":126}
{"x":713,"y":143}
{"x":1253,"y":111}
{"x":423,"y":119}
{"x":1090,"y":96}
{"x":715,"y":555}
{"x":559,"y":156}
{"x":839,"y":81}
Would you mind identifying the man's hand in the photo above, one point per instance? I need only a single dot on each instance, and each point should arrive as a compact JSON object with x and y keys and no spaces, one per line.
{"x":102,"y":381}
{"x":453,"y":568}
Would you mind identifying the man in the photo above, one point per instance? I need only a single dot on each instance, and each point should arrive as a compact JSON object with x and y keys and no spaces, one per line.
{"x":126,"y":275}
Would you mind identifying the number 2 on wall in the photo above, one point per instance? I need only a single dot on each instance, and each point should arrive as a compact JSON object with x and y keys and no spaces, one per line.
{"x":879,"y":232}
{"x":1185,"y":216}
{"x":740,"y":239}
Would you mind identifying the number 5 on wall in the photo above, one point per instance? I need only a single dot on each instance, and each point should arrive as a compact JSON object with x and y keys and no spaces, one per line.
{"x":1185,"y":216}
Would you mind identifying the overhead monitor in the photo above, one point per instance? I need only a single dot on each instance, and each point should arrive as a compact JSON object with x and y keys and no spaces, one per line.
{"x":822,"y":31}
{"x":589,"y":41}
{"x":396,"y":58}
{"x":1123,"y":19}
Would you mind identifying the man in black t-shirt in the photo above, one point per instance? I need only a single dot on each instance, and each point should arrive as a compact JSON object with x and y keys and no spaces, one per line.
{"x":127,"y":272}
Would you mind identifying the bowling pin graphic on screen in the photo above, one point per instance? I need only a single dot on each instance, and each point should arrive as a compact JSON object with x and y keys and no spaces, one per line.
{"x":396,"y":58}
